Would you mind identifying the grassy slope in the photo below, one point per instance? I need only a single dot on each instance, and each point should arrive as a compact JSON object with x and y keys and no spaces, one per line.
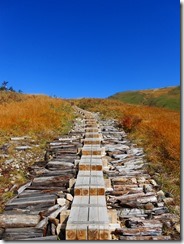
{"x":40,"y":117}
{"x":22,"y":114}
{"x":164,"y":97}
{"x":155,"y":129}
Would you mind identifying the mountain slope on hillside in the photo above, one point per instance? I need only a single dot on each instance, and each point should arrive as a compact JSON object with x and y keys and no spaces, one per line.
{"x":155,"y":129}
{"x":22,"y":114}
{"x":168,"y":97}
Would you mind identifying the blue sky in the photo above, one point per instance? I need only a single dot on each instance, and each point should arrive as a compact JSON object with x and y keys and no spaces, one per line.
{"x":89,"y":48}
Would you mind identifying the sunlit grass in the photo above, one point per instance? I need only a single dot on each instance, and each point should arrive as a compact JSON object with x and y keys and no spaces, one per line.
{"x":35,"y":115}
{"x":40,"y":117}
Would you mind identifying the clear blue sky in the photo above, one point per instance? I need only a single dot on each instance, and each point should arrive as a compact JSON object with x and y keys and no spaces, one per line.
{"x":89,"y":48}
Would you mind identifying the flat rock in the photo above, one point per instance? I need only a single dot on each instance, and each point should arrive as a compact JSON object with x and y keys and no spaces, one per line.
{"x":69,"y":197}
{"x":168,"y":200}
{"x":9,"y":161}
{"x":61,"y":201}
{"x":149,"y":206}
{"x":177,"y":227}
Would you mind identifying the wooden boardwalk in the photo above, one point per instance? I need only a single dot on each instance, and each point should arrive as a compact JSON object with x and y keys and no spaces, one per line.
{"x":88,"y":219}
{"x":93,"y":185}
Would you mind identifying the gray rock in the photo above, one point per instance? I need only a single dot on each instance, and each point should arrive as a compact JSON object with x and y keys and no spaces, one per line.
{"x":61,"y":201}
{"x":168,"y":200}
{"x":9,"y":161}
{"x":149,"y":206}
{"x":69,"y":197}
{"x":177,"y":227}
{"x":161,"y":194}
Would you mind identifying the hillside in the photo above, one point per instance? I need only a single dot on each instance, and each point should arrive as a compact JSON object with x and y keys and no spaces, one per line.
{"x":27,"y":121}
{"x":168,"y":97}
{"x":157,"y":130}
{"x":33,"y":115}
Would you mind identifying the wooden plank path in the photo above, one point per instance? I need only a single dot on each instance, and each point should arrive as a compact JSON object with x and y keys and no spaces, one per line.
{"x":33,"y":214}
{"x":93,"y":185}
{"x":88,"y":219}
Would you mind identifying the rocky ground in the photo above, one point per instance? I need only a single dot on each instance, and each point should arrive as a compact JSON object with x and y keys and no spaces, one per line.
{"x":140,"y":205}
{"x":16,"y":156}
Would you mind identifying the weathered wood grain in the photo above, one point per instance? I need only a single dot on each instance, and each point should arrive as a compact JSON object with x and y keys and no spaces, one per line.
{"x":16,"y":220}
{"x":14,"y":234}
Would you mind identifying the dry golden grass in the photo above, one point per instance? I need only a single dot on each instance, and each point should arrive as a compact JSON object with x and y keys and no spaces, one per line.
{"x":35,"y":115}
{"x":156,"y":129}
{"x":40,"y":117}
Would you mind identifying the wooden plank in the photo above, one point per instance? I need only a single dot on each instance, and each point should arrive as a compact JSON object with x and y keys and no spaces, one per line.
{"x":92,"y":141}
{"x":145,"y":238}
{"x":92,"y":135}
{"x":33,"y":198}
{"x":71,"y":232}
{"x":44,"y":238}
{"x":18,"y":220}
{"x":101,"y":190}
{"x":82,"y":228}
{"x":59,"y":164}
{"x":97,"y":173}
{"x":84,"y":221}
{"x":97,"y":230}
{"x":101,"y":200}
{"x":84,"y":166}
{"x":93,"y":215}
{"x":129,"y":197}
{"x":49,"y":180}
{"x":84,"y":173}
{"x":137,"y":222}
{"x":85,"y":191}
{"x":87,"y":151}
{"x":33,"y":194}
{"x":91,"y":129}
{"x":103,"y":216}
{"x":22,"y":188}
{"x":82,"y":186}
{"x":69,"y":172}
{"x":46,"y":188}
{"x":71,"y":228}
{"x":13,"y":234}
{"x":127,"y":213}
{"x":93,"y":200}
{"x":80,"y":200}
{"x":104,"y":232}
{"x":33,"y":208}
{"x":93,"y":232}
{"x":139,"y":231}
{"x":32,"y":201}
{"x":93,"y":186}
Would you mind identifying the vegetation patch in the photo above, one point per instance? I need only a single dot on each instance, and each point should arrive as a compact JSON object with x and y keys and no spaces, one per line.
{"x":163,"y":97}
{"x":37,"y":118}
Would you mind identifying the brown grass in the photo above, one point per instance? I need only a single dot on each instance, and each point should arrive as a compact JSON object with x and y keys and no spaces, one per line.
{"x":40,"y":117}
{"x":35,"y":115}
